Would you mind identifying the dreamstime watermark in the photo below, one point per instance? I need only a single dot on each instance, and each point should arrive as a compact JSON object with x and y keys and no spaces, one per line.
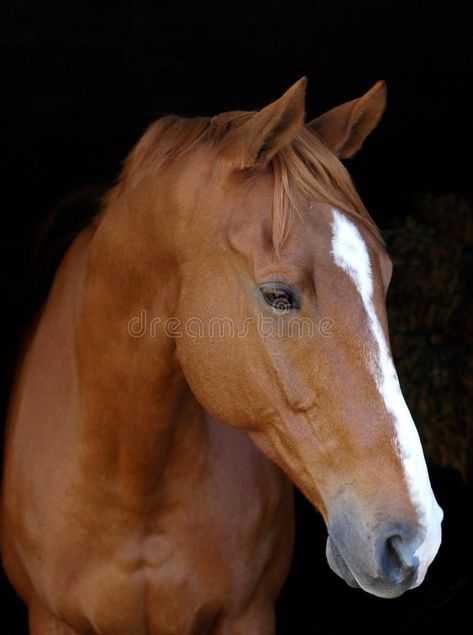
{"x":144,"y":325}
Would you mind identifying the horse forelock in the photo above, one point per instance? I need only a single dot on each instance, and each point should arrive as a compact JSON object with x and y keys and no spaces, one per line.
{"x":307,"y":172}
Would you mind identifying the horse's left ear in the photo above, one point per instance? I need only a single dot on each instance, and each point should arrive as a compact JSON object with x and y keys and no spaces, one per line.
{"x":345,"y":127}
{"x":259,"y":138}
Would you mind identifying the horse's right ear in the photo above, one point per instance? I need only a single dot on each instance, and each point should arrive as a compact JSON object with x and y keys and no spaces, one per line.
{"x":259,"y":138}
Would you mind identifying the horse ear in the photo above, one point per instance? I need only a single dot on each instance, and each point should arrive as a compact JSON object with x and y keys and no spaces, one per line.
{"x":259,"y":138}
{"x":345,"y":127}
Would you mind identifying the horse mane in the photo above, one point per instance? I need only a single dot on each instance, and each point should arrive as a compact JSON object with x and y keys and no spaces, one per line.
{"x":304,"y":171}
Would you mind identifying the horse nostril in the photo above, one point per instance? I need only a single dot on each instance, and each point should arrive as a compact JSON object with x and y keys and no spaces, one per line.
{"x":397,"y":561}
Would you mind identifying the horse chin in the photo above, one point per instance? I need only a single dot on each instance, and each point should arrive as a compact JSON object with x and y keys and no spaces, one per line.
{"x":338,"y":564}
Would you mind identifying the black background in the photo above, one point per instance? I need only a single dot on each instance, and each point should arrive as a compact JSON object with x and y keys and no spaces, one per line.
{"x":80,"y":81}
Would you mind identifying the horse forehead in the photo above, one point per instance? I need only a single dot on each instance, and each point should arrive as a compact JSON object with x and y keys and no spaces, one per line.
{"x":312,"y":234}
{"x":354,"y":248}
{"x":309,"y":232}
{"x":319,"y":247}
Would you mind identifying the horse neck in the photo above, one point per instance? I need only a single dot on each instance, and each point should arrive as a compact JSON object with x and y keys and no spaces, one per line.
{"x":132,"y":392}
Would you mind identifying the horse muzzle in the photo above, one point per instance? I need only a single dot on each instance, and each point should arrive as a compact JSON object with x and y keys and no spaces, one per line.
{"x":393,"y":577}
{"x":386,"y":560}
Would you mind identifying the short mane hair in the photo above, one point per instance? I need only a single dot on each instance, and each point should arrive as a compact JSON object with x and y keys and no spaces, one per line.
{"x":304,"y":171}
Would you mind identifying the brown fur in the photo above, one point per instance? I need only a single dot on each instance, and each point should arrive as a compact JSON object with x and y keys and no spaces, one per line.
{"x":304,"y":169}
{"x":127,"y":506}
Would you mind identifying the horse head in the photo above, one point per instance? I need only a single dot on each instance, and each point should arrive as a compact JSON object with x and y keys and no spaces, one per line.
{"x":287,"y":274}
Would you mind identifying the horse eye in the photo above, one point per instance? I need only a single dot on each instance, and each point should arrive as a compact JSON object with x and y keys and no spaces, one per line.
{"x":279,"y":296}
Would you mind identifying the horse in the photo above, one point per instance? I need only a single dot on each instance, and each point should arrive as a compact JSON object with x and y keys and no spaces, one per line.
{"x":216,"y":335}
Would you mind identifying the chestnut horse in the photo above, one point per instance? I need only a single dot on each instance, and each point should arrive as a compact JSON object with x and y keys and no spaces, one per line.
{"x":145,"y":485}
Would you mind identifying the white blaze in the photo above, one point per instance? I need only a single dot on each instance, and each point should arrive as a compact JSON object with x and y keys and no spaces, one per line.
{"x":351,"y":254}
